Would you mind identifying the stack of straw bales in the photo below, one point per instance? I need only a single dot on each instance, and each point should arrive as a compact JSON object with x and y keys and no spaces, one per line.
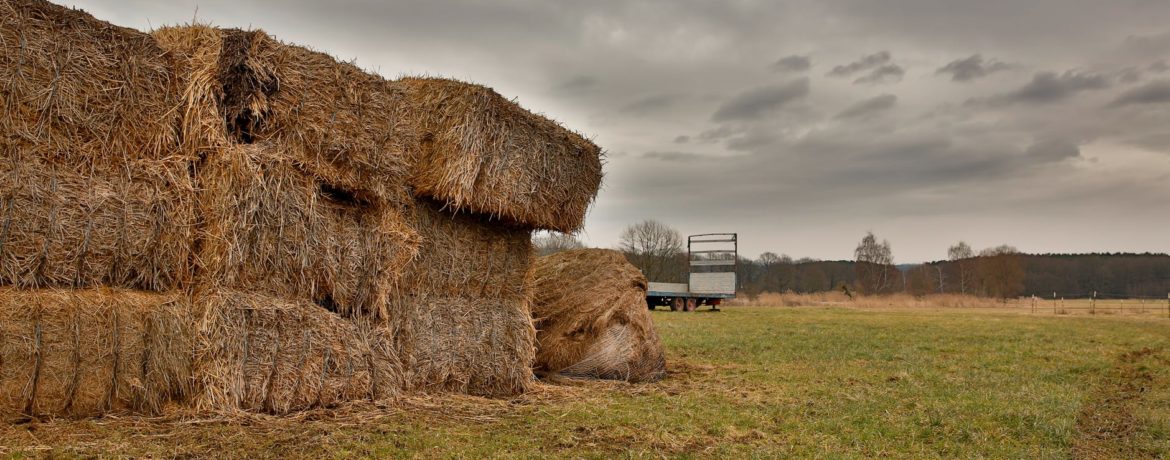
{"x":213,"y":218}
{"x":464,"y":321}
{"x":301,"y":177}
{"x":591,"y":317}
{"x":97,"y":218}
{"x":93,"y":187}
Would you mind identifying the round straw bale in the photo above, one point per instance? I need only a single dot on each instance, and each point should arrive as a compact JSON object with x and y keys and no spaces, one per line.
{"x":589,"y":309}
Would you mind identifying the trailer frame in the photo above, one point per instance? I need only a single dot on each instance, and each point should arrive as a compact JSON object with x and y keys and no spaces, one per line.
{"x":708,"y":283}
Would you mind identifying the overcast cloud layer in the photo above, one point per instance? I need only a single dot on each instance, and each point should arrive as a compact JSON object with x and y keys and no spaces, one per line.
{"x":1044,"y":124}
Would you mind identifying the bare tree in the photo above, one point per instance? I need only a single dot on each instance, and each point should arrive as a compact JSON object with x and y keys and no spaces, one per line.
{"x":963,"y":258}
{"x":777,"y":271}
{"x":920,"y":280}
{"x":553,"y":242}
{"x":874,"y":265}
{"x":1001,"y":272}
{"x":653,"y":247}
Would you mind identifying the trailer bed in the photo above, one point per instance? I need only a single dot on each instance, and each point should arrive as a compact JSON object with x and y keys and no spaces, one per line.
{"x":681,"y":290}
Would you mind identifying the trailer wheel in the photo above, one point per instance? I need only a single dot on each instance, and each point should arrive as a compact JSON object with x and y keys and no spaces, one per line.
{"x":692,"y":304}
{"x":677,"y":304}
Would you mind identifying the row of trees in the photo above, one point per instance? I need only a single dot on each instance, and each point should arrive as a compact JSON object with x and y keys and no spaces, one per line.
{"x":652,"y":246}
{"x":998,"y":272}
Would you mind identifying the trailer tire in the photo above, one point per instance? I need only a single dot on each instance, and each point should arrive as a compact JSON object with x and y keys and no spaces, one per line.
{"x":677,"y":304}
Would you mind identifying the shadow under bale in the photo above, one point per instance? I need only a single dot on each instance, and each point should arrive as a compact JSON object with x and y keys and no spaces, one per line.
{"x":589,"y":309}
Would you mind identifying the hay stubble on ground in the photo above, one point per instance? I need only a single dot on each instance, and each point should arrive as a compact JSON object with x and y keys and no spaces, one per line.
{"x":1107,"y":426}
{"x":748,"y":381}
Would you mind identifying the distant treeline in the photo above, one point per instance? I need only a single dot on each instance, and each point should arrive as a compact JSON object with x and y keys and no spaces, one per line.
{"x":1110,"y":275}
{"x":998,"y":272}
{"x":1068,"y":275}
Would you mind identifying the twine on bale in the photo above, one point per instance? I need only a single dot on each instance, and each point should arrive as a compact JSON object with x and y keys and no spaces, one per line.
{"x":90,"y":352}
{"x":89,"y":114}
{"x":248,"y":361}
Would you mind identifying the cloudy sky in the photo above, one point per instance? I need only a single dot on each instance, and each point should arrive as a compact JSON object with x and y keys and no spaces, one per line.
{"x":1044,"y":124}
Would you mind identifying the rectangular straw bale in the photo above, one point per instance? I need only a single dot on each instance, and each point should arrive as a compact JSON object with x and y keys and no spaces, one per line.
{"x":482,"y":153}
{"x":262,"y":353}
{"x":467,"y":255}
{"x":64,"y":228}
{"x":477,"y":346}
{"x":93,"y":351}
{"x":272,"y":227}
{"x":335,"y":120}
{"x":81,"y":92}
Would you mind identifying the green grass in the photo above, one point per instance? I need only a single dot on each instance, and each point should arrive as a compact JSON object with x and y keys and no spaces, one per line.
{"x":751,"y":382}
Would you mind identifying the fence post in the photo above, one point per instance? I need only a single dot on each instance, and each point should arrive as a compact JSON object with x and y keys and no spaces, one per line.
{"x":1054,"y":302}
{"x":1168,"y":305}
{"x":1033,"y":304}
{"x":1093,"y":304}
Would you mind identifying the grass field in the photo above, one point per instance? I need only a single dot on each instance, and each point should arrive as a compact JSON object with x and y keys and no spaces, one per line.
{"x":752,"y":382}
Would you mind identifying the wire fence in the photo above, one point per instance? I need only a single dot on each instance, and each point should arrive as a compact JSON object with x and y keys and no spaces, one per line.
{"x":1099,"y":303}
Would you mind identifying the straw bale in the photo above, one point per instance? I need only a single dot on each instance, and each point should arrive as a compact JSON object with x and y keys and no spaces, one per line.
{"x":81,"y":92}
{"x":485,"y":154}
{"x":469,"y":255}
{"x":261,"y":353}
{"x":477,"y":346}
{"x":93,"y":351}
{"x":271,"y":227}
{"x":62,"y":228}
{"x":337,"y":122}
{"x":589,"y":309}
{"x":303,"y":185}
{"x":94,"y":189}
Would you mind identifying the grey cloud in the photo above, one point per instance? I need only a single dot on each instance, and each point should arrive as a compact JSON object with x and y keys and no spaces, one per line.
{"x":1150,"y":93}
{"x":1129,"y":75}
{"x":1048,"y":87}
{"x":761,"y":102}
{"x":682,"y":139}
{"x":1052,"y":150}
{"x":578,"y":83}
{"x":753,"y":140}
{"x":864,"y":63}
{"x":889,"y":73}
{"x":971,"y":68}
{"x":869,"y":107}
{"x":682,"y":157}
{"x":792,"y":64}
{"x":1146,"y":45}
{"x":649,"y":104}
{"x":718,"y":133}
{"x":1159,"y":67}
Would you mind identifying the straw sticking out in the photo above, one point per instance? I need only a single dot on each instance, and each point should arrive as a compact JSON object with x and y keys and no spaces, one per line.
{"x":485,"y":154}
{"x":591,"y":318}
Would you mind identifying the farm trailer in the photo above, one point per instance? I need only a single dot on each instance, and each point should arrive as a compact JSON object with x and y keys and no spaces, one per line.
{"x":712,"y":260}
